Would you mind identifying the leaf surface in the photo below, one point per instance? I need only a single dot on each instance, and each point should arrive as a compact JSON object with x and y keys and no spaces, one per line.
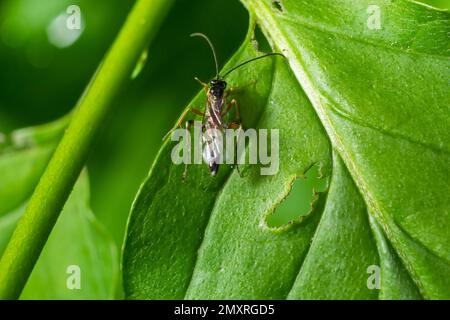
{"x":370,"y":107}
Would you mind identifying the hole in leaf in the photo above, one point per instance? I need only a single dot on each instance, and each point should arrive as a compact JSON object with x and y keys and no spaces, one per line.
{"x":260,"y":41}
{"x":277,"y":5}
{"x":300,"y":199}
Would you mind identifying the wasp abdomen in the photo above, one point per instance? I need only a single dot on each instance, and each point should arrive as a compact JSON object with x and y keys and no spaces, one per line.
{"x":212,"y":149}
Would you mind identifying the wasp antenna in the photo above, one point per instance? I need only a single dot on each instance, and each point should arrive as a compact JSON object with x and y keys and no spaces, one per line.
{"x":251,"y":60}
{"x":212,"y":49}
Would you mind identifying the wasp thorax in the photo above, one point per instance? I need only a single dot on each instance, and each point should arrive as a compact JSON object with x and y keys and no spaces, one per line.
{"x":217,"y":87}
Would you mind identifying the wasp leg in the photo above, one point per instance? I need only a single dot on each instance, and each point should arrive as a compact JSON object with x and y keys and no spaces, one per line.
{"x":232,"y":104}
{"x":238,"y":126}
{"x":189,"y":123}
{"x":203,"y":84}
{"x":183,"y":116}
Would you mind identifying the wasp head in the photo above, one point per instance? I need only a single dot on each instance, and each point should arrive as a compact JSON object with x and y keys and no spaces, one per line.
{"x":217,"y":87}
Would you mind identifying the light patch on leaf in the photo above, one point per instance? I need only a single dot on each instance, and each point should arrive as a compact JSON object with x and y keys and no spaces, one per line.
{"x":140,"y":65}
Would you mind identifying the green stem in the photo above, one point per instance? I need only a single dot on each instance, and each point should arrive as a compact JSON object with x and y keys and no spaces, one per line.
{"x":64,"y":168}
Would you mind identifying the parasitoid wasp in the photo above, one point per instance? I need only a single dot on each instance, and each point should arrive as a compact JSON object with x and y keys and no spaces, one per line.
{"x":216,"y":109}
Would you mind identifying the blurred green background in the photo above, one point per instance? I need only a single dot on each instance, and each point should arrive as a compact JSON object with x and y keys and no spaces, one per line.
{"x":42,"y":77}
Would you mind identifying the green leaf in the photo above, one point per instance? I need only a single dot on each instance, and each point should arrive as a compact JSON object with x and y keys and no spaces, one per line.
{"x":370,"y":107}
{"x":23,"y":157}
{"x":77,"y":243}
{"x":24,"y":154}
{"x":8,"y":223}
{"x":77,"y":239}
{"x":395,"y":282}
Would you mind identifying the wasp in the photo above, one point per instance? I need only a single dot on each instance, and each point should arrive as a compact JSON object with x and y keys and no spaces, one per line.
{"x":216,"y":109}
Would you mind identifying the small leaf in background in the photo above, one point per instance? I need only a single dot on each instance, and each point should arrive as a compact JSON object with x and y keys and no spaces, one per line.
{"x":79,"y":260}
{"x":23,"y":158}
{"x":77,"y":241}
{"x":24,"y":155}
{"x":8,"y":223}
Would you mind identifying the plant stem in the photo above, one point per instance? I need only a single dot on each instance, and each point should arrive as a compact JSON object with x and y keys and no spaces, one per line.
{"x":66,"y":164}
